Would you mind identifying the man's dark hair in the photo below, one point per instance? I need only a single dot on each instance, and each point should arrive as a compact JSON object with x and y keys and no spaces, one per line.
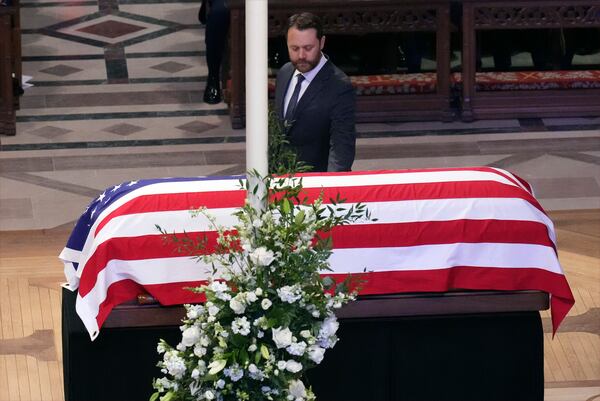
{"x":306,"y":20}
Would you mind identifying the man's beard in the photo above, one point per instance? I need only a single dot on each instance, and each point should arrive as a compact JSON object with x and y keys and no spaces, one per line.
{"x":306,"y":64}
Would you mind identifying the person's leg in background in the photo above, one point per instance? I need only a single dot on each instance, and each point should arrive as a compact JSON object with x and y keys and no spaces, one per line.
{"x":217,"y":27}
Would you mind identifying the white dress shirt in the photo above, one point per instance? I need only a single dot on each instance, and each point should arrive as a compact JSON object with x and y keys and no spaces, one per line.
{"x":308,"y":77}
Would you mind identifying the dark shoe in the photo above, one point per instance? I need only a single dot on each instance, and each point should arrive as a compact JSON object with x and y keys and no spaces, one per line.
{"x":212,"y":93}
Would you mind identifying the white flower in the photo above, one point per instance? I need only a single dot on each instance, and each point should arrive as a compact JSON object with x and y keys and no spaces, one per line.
{"x":218,"y":286}
{"x":199,"y":351}
{"x":237,"y":305}
{"x":252,"y":348}
{"x":195,"y":374}
{"x":316,"y":353}
{"x":255,"y":372}
{"x":266,"y":303}
{"x":194,"y":311}
{"x":305,"y":333}
{"x":289,"y":293}
{"x":293,"y":366}
{"x":281,"y":365}
{"x":329,"y":327}
{"x":282,"y":337}
{"x":209,"y":395}
{"x":213,"y":310}
{"x":160,"y":348}
{"x":235,"y":372}
{"x":190,"y":336}
{"x":315,"y":313}
{"x":241,"y":325}
{"x":258,"y":292}
{"x":174,"y":364}
{"x":220,"y":383}
{"x":262,"y":256}
{"x":297,"y":348}
{"x":251,"y":296}
{"x":297,"y":389}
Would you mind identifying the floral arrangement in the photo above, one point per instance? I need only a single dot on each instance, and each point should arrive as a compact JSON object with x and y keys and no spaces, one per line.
{"x":269,"y":313}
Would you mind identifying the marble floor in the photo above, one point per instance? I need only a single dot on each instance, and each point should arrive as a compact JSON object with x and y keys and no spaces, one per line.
{"x":117,"y":96}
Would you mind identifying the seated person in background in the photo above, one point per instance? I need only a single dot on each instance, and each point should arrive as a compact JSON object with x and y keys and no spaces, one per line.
{"x":315,"y":100}
{"x":215,"y":15}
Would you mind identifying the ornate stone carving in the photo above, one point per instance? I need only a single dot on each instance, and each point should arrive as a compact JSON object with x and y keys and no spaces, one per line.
{"x":392,"y":20}
{"x":537,"y":16}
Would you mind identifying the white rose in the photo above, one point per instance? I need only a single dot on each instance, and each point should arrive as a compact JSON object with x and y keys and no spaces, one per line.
{"x":262,"y":256}
{"x":281,"y":365}
{"x":293,"y":366}
{"x":282,"y":337}
{"x":305,"y":333}
{"x":266,"y":303}
{"x":209,"y":395}
{"x":250,"y":297}
{"x":316,"y":353}
{"x":297,"y":389}
{"x":237,"y":306}
{"x":190,"y":336}
{"x":258,"y":292}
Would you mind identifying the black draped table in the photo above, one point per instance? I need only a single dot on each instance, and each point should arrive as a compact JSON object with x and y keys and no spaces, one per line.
{"x":478,"y":345}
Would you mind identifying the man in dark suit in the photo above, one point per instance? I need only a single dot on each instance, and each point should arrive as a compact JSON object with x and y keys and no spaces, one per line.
{"x":315,"y":100}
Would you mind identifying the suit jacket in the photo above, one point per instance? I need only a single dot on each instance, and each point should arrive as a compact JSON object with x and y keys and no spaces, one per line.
{"x":322,"y":130}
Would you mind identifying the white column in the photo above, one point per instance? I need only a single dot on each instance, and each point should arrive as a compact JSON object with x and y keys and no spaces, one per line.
{"x":256,"y":93}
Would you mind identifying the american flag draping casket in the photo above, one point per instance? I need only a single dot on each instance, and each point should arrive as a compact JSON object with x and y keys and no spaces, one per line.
{"x":436,"y":230}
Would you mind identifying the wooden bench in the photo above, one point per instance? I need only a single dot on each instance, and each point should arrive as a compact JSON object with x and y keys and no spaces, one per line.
{"x":526,"y":93}
{"x":10,"y":66}
{"x":379,"y":99}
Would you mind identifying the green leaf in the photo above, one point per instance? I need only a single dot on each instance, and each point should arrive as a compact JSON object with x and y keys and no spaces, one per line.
{"x":264,"y":351}
{"x":300,"y":217}
{"x":215,"y":367}
{"x":257,"y":356}
{"x":287,"y":206}
{"x":244,"y":356}
{"x":167,"y":397}
{"x":154,"y":396}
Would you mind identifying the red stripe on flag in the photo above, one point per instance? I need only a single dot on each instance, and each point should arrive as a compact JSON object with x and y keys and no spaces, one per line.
{"x":176,"y":201}
{"x":390,"y":282}
{"x":363,"y":194}
{"x":344,"y":237}
{"x":471,"y":278}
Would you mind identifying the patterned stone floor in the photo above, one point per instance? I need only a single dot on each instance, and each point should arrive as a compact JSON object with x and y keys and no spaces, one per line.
{"x":117,"y":96}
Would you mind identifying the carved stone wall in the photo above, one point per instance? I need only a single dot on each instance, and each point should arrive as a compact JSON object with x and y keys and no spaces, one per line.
{"x":357,"y":22}
{"x":519,"y":17}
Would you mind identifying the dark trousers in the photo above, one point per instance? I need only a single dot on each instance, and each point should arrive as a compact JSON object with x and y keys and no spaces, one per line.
{"x":217,"y":26}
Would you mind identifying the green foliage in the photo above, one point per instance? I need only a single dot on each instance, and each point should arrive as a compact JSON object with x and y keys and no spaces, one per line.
{"x":269,"y":315}
{"x":282,"y":158}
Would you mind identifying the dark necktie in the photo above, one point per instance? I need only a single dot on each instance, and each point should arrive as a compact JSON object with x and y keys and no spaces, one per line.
{"x":291,"y":109}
